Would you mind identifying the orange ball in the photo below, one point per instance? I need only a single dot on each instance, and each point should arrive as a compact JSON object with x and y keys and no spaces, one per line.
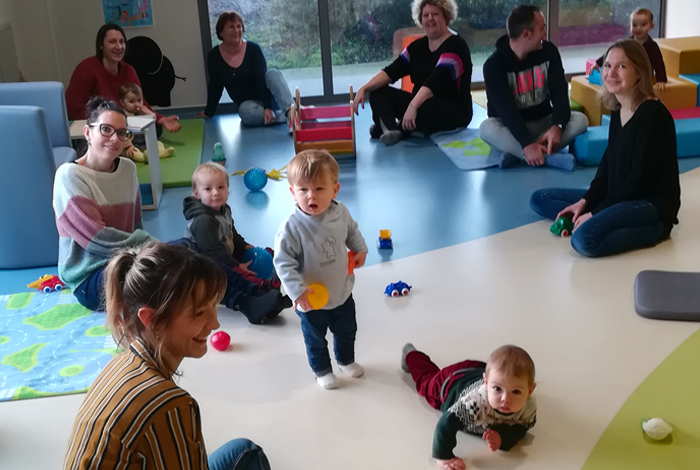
{"x":319,"y":298}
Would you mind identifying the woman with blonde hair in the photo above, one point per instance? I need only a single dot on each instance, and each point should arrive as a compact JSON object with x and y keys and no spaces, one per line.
{"x":440,"y":67}
{"x":161,"y":308}
{"x":634,"y":198}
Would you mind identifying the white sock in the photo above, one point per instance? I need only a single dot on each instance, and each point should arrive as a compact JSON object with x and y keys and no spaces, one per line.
{"x":354,"y":369}
{"x":328,"y":381}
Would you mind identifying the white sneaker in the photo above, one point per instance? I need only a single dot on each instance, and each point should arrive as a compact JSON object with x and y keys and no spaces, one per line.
{"x":328,"y":381}
{"x":354,"y":369}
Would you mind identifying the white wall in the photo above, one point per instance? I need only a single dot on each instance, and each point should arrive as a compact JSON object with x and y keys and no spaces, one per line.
{"x":53,"y":36}
{"x":682,"y":18}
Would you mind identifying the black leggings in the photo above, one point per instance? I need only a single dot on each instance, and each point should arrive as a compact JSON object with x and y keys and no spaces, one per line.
{"x":435,"y":114}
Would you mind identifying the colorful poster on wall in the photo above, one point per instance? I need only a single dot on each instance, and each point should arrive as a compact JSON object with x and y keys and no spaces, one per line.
{"x":128,"y":13}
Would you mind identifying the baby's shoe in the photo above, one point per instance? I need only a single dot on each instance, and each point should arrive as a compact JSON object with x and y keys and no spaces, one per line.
{"x":354,"y":369}
{"x":407,"y":348}
{"x":328,"y":381}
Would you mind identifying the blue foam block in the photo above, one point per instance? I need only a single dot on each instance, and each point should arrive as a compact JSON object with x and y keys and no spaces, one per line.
{"x":688,"y":137}
{"x":605,"y":120}
{"x":693,"y":78}
{"x":595,"y":78}
{"x":588,"y":148}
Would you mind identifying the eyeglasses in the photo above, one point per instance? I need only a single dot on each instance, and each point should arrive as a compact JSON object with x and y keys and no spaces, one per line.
{"x":108,"y":131}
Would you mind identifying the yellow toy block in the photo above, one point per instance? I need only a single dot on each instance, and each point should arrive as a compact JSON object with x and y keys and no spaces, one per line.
{"x":681,"y":55}
{"x":679,"y":94}
{"x":385,"y":234}
{"x":586,"y":94}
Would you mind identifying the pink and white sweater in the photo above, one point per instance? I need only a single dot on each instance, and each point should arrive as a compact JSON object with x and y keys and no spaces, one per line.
{"x":97,"y":213}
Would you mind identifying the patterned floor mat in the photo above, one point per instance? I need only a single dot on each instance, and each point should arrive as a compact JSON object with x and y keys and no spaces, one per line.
{"x":50,"y":345}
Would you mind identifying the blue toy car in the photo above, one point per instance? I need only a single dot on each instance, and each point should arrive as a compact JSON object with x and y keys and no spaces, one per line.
{"x":396,"y":289}
{"x":384,"y":240}
{"x":384,"y":243}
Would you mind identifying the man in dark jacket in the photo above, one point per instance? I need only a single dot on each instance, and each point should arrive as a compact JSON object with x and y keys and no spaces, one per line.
{"x":528,"y":101}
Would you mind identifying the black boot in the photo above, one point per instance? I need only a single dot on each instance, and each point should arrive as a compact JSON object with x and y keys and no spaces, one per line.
{"x":256,"y":309}
{"x":283,"y":303}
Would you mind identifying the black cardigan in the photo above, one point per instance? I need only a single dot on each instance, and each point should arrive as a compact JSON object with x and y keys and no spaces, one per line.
{"x":640,"y":162}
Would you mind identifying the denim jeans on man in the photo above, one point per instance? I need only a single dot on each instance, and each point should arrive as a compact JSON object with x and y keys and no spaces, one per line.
{"x":342,"y":323}
{"x":495,"y":133}
{"x":621,"y":227}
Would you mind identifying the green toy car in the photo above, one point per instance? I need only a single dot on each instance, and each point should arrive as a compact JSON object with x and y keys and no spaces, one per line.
{"x":562,"y":227}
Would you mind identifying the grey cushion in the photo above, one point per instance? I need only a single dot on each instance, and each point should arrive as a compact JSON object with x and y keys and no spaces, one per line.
{"x":667,"y":295}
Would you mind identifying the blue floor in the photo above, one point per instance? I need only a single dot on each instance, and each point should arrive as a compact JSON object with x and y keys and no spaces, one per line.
{"x":411,"y":188}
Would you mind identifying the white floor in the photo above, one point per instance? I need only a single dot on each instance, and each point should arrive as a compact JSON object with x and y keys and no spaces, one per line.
{"x":575,"y":316}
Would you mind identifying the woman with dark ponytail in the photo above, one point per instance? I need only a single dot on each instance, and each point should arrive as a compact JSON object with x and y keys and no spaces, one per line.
{"x":98,"y":212}
{"x":161,"y":308}
{"x":97,"y":203}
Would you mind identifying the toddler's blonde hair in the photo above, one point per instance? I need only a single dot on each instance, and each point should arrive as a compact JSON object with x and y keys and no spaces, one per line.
{"x":208,"y":168}
{"x":310,"y":165}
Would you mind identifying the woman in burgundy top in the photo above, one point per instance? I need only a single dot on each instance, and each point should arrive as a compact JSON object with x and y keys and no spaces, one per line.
{"x":103,"y":74}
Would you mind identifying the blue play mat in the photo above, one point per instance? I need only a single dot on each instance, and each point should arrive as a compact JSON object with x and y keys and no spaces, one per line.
{"x":50,"y":345}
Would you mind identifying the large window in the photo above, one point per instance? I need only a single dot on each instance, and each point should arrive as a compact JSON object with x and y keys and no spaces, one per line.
{"x":324,"y":46}
{"x":587,"y":27}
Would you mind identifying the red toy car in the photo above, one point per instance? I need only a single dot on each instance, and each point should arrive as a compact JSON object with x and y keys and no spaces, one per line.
{"x":48,"y":284}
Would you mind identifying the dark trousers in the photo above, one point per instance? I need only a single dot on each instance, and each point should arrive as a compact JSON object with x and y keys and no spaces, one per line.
{"x":90,"y":293}
{"x":621,"y":227}
{"x":342,"y":323}
{"x":433,"y":383}
{"x":436,"y":114}
{"x":236,"y":283}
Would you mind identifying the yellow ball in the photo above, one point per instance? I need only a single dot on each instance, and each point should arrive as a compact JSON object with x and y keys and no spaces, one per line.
{"x":319,"y":298}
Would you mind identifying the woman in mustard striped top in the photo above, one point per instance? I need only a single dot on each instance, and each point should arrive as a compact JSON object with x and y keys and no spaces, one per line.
{"x":161,"y":308}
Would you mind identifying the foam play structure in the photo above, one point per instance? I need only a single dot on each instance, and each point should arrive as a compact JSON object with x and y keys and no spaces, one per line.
{"x":324,"y":127}
{"x":35,"y":138}
{"x":682,"y":60}
{"x":667,"y":295}
{"x":406,"y":83}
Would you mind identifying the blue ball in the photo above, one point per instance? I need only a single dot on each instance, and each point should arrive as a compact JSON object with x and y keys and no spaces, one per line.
{"x":255,"y":179}
{"x":261,"y":262}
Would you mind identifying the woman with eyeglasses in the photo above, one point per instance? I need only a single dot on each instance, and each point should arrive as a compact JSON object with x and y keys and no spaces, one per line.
{"x":97,"y":204}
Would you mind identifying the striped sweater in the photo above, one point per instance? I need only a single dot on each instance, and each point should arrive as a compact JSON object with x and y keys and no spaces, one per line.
{"x":97,"y":213}
{"x":135,"y":417}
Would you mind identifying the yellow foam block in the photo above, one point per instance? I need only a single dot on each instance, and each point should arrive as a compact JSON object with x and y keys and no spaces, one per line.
{"x":586,"y":94}
{"x":679,"y":94}
{"x":681,"y":55}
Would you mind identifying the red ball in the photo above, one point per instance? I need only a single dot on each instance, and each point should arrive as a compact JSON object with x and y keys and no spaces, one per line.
{"x":220,"y":340}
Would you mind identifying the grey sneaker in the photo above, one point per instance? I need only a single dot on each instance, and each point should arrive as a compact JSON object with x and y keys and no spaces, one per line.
{"x":407,"y":348}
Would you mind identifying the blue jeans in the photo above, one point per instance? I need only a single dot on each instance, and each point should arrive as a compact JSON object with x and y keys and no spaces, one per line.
{"x":342,"y":323}
{"x":497,"y":134}
{"x":90,"y":293}
{"x":236,"y":284}
{"x":239,"y":454}
{"x":251,"y":112}
{"x":621,"y":227}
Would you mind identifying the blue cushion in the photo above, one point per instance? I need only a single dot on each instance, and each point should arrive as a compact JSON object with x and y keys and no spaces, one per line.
{"x":63,"y":155}
{"x":694,"y":78}
{"x":589,"y":147}
{"x":688,"y":137}
{"x":605,"y":120}
{"x":28,"y":235}
{"x":595,"y":78}
{"x":47,"y":95}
